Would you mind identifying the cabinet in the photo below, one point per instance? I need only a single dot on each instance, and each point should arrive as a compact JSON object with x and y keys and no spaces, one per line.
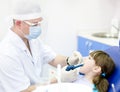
{"x":85,"y":45}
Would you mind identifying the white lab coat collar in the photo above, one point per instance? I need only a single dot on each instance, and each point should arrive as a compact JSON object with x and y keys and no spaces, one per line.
{"x":15,"y":38}
{"x":34,"y":51}
{"x":18,"y":42}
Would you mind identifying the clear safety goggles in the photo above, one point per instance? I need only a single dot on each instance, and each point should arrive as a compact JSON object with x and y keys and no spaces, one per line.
{"x":33,"y":24}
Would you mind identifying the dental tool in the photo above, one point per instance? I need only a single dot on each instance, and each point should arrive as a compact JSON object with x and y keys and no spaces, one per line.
{"x":59,"y":73}
{"x":72,"y":67}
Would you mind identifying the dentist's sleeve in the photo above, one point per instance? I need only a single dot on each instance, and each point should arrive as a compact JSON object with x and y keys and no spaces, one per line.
{"x":12,"y":79}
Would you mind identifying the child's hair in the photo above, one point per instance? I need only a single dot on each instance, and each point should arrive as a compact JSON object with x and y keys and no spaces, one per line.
{"x":107,"y":65}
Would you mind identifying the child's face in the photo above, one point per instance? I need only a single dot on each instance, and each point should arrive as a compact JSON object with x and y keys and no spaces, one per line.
{"x":89,"y":63}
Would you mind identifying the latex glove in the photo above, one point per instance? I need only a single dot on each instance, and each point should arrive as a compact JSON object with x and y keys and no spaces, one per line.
{"x":68,"y":76}
{"x":76,"y":58}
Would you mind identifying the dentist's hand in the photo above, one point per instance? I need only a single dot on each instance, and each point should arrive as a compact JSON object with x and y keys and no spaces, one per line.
{"x":68,"y":76}
{"x":76,"y":58}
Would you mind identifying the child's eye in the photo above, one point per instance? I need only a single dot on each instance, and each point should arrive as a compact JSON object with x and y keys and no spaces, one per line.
{"x":89,"y":57}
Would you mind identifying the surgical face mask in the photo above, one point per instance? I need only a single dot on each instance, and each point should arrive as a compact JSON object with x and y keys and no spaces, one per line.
{"x":34,"y":32}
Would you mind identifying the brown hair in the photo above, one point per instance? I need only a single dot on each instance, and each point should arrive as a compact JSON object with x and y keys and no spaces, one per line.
{"x":107,"y":65}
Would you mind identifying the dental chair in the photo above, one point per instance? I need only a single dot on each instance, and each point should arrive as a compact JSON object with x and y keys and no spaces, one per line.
{"x":114,"y":52}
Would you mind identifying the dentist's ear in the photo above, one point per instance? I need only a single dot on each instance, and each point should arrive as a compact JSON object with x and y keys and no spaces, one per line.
{"x":17,"y":22}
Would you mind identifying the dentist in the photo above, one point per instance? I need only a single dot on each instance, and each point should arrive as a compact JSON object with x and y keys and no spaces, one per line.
{"x":23,"y":54}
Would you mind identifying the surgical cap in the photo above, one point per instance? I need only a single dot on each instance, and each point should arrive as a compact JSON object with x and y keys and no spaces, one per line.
{"x":26,"y":10}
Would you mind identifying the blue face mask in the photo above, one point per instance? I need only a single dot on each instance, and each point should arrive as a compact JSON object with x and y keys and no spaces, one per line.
{"x":34,"y":32}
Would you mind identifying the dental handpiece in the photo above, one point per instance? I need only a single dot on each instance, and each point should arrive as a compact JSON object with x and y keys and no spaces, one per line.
{"x":72,"y":67}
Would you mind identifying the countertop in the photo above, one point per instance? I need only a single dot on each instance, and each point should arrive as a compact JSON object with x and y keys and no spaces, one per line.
{"x":108,"y":41}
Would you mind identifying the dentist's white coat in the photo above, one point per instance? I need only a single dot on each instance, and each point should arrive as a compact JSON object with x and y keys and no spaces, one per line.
{"x":18,"y":68}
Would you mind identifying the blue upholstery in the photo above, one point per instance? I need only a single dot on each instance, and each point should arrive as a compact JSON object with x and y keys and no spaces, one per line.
{"x":114,"y":52}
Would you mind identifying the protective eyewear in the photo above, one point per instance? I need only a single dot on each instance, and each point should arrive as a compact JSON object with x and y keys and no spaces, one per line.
{"x":33,"y":24}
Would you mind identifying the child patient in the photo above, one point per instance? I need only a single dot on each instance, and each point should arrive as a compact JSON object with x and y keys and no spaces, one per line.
{"x":97,"y":67}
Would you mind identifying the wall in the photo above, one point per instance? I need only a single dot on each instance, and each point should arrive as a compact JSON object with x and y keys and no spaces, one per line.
{"x":5,"y":11}
{"x":65,"y":18}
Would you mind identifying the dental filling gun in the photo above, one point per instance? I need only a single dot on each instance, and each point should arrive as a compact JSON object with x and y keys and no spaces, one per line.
{"x":72,"y":67}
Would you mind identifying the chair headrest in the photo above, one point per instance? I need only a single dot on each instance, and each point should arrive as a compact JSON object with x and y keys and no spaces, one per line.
{"x":114,"y":52}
